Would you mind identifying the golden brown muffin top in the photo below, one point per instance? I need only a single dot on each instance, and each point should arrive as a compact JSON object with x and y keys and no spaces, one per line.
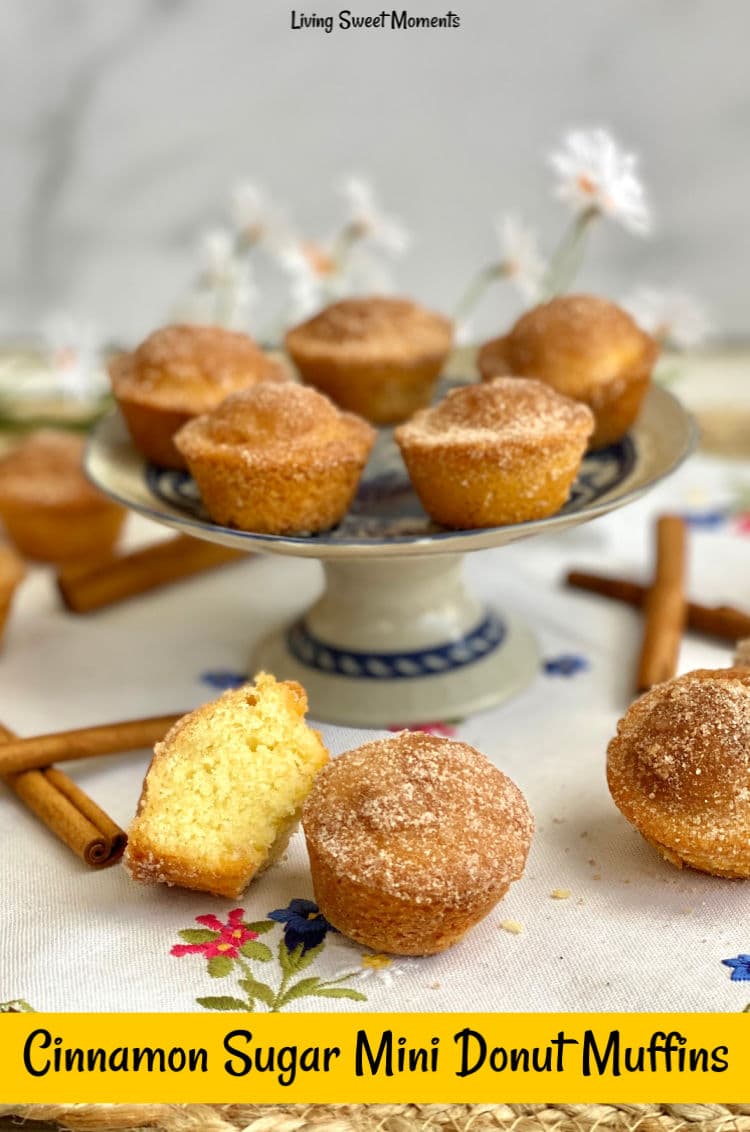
{"x":420,"y":818}
{"x":684,"y":747}
{"x":506,"y":410}
{"x":574,"y":341}
{"x":371,"y":329}
{"x":191,"y":368}
{"x":268,"y":421}
{"x":46,"y":469}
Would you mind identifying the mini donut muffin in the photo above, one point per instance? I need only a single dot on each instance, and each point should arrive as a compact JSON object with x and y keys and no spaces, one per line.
{"x":11,"y":573}
{"x":679,"y":770}
{"x":585,"y":347}
{"x":50,"y":510}
{"x":379,"y":357}
{"x":179,"y":372}
{"x":503,"y":452}
{"x":277,"y":459}
{"x":412,"y":841}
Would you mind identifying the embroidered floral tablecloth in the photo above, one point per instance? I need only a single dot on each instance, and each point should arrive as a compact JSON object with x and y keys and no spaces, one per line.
{"x":598,"y":922}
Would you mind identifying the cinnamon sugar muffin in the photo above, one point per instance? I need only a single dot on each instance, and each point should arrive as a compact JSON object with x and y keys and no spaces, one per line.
{"x":379,"y":357}
{"x":179,"y":372}
{"x":11,"y":573}
{"x":412,"y":841}
{"x":506,"y":451}
{"x":277,"y":459}
{"x":679,"y":770}
{"x":224,"y":790}
{"x":585,"y":347}
{"x":50,"y":510}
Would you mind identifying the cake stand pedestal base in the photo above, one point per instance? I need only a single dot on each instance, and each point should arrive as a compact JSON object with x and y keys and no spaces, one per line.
{"x":400,"y":642}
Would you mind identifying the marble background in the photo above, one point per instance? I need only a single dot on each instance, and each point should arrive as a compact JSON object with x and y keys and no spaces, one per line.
{"x":124,"y":126}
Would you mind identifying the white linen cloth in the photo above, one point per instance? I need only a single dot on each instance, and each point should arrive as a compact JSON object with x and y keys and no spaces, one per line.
{"x":633,"y":933}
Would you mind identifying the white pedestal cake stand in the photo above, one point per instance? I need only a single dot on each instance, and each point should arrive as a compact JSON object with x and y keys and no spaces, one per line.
{"x":395,"y":635}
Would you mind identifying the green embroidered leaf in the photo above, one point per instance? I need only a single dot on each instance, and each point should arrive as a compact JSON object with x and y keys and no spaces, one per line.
{"x":222,"y":1002}
{"x":260,"y":926}
{"x":339,"y":992}
{"x":198,"y":935}
{"x":256,"y":989}
{"x":16,"y":1006}
{"x":286,"y":957}
{"x":254,"y":950}
{"x":220,"y":966}
{"x":300,"y":989}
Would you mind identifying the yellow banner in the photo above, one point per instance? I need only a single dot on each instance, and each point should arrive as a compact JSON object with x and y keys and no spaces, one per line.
{"x":361,"y":1058}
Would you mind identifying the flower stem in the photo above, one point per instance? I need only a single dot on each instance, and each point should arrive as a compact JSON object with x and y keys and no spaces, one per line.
{"x":477,"y":288}
{"x":566,"y":261}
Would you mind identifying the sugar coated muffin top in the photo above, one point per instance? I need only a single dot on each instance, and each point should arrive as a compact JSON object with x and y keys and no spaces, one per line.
{"x":505,"y":410}
{"x":268,"y":420}
{"x":371,"y":328}
{"x":420,"y":817}
{"x":47,"y":469}
{"x":192,"y":367}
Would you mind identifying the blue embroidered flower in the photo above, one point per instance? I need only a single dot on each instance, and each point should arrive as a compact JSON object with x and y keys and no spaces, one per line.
{"x":741,"y":968}
{"x":223,"y":678}
{"x":305,"y":924}
{"x":567,"y":664}
{"x":708,"y":520}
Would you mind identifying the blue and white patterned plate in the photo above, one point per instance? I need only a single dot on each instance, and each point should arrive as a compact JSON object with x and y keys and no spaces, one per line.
{"x":386,"y":517}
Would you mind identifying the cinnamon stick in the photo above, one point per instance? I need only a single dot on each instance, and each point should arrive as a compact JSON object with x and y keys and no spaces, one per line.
{"x":107,"y":739}
{"x":86,"y":587}
{"x":723,"y":621}
{"x":68,"y":812}
{"x":664,"y":605}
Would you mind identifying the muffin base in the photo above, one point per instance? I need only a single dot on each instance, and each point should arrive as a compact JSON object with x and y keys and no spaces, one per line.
{"x":465,"y":489}
{"x":389,"y":923}
{"x":280,"y":499}
{"x":152,"y":430}
{"x":384,"y":393}
{"x":63,"y":534}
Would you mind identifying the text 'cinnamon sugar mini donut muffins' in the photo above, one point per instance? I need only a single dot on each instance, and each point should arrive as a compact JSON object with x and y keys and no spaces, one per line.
{"x":51,"y":512}
{"x":176,"y":374}
{"x":412,"y":841}
{"x":379,"y":357}
{"x":277,"y":459}
{"x":585,"y":347}
{"x":679,"y":770}
{"x":506,"y":451}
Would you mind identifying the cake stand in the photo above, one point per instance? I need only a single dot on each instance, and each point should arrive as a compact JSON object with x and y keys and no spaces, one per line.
{"x":395,"y":635}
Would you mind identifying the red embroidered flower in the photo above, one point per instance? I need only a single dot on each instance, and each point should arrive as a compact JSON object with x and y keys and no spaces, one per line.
{"x":225,"y":939}
{"x":445,"y":730}
{"x":742,"y":523}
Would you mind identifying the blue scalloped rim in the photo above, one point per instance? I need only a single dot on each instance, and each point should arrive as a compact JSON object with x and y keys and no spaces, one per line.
{"x":309,"y":650}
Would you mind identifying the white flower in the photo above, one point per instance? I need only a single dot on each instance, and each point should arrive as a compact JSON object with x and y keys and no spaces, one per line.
{"x":464,"y":332}
{"x":309,"y":268}
{"x":367,"y":221}
{"x":380,"y":967}
{"x":74,"y":352}
{"x":217,"y":254}
{"x":522,"y":261}
{"x":254,"y":217}
{"x":595,"y":173}
{"x":673,"y":317}
{"x":226,"y":289}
